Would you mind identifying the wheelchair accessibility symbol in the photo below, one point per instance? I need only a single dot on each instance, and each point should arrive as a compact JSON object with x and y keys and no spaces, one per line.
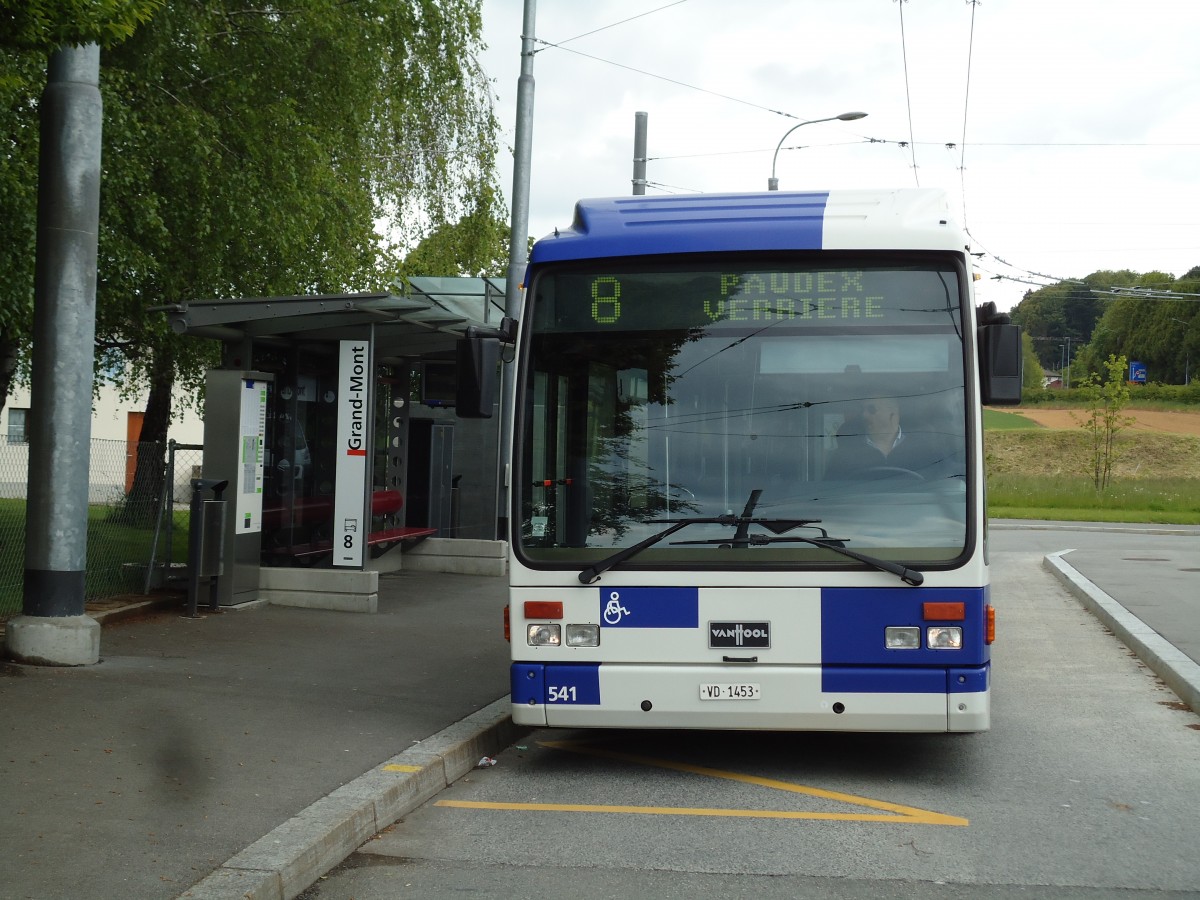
{"x":613,"y":611}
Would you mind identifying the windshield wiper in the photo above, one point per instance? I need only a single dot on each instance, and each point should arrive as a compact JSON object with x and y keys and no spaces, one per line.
{"x":742,"y":536}
{"x":591,"y":574}
{"x":905,"y":574}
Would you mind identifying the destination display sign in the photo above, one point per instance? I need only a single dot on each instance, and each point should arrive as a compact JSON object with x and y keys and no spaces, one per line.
{"x":639,"y":300}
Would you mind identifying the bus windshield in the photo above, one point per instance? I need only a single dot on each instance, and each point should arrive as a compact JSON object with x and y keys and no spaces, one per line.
{"x":772,"y":403}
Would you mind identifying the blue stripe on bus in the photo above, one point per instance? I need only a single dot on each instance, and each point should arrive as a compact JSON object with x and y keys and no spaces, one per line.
{"x":695,"y":223}
{"x":571,"y":684}
{"x":874,"y":680}
{"x":893,"y":680}
{"x":853,"y":622}
{"x":650,"y":607}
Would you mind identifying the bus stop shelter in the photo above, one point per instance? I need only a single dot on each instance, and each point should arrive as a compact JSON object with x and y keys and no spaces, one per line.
{"x":331,"y":418}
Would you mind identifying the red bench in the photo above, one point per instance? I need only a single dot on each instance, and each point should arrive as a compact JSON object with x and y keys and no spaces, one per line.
{"x":314,"y":510}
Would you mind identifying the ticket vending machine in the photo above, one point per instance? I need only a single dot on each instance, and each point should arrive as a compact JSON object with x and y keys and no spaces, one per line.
{"x":235,"y":425}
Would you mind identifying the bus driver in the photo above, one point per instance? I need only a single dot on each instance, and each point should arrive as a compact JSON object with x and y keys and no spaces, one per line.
{"x":876,"y":442}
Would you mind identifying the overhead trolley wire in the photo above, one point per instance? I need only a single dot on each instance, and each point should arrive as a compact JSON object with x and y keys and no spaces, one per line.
{"x":649,"y":12}
{"x":683,"y":84}
{"x":909,"y":145}
{"x":962,"y":168}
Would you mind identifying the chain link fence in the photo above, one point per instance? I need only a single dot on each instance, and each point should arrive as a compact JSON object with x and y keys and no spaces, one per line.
{"x":138,"y":496}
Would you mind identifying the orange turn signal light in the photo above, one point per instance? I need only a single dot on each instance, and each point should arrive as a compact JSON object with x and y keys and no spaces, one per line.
{"x":507,"y":625}
{"x":989,"y":624}
{"x":543,"y":609}
{"x":945,"y":612}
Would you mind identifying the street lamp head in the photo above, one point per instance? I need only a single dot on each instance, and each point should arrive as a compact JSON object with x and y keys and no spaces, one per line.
{"x":773,"y":182}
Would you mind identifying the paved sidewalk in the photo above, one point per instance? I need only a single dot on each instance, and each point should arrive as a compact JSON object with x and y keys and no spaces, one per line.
{"x":1153,"y":608}
{"x":1149,"y":599}
{"x":192,"y":739}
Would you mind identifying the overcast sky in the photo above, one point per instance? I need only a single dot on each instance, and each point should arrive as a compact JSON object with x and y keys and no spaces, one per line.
{"x":1081,"y":117}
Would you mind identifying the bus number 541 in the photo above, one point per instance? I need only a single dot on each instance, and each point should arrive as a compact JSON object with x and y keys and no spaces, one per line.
{"x":564,"y":693}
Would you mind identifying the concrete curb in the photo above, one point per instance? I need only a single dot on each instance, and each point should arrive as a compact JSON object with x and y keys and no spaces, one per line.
{"x":285,"y":862}
{"x":133,"y":610}
{"x":1179,"y":671}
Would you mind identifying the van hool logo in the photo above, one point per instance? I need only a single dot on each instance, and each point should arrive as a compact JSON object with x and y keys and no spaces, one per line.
{"x":739,"y":634}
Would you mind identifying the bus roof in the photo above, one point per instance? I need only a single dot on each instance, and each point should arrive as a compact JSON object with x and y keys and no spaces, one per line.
{"x":902,"y":219}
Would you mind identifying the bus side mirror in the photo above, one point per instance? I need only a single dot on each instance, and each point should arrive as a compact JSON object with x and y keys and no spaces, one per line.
{"x":1000,"y":361}
{"x":477,"y":358}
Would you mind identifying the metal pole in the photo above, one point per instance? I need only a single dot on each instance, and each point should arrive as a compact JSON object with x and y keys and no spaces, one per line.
{"x":518,"y":241}
{"x":195,"y":546}
{"x":640,"y":120}
{"x":163,"y":498}
{"x":518,"y":244}
{"x":53,"y":628}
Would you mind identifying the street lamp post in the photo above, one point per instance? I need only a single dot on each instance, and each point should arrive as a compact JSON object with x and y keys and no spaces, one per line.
{"x":1187,"y":353}
{"x":773,"y":182}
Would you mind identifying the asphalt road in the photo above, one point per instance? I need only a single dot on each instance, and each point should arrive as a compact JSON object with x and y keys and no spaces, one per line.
{"x":1087,"y":786}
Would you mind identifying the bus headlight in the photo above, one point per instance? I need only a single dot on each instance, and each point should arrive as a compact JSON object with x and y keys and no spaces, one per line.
{"x":944,"y":637}
{"x":543,"y":635}
{"x":583,"y":635}
{"x":902,"y":637}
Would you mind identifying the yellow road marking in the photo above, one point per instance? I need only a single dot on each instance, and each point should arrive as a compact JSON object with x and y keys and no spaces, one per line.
{"x":399,"y":768}
{"x":924,"y":818}
{"x":886,"y":812}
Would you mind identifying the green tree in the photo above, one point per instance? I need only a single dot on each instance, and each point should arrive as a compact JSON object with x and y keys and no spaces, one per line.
{"x":1054,"y":313}
{"x":24,"y":73}
{"x":1147,"y":328}
{"x":1105,"y":398}
{"x":29,"y":31}
{"x":476,"y":245}
{"x":43,"y":25}
{"x":255,"y":150}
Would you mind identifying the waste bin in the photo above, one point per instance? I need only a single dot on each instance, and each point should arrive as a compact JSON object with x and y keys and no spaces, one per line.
{"x":206,"y":541}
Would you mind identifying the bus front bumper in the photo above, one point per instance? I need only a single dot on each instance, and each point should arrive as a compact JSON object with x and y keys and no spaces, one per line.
{"x":783,"y":698}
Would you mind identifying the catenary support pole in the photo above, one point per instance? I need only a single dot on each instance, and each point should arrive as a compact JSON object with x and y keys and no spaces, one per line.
{"x":640,"y":127}
{"x":53,"y":629}
{"x":518,"y":244}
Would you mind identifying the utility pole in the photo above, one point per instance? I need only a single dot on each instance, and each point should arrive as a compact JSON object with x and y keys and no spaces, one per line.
{"x":518,"y":244}
{"x":640,"y":122}
{"x":53,"y":629}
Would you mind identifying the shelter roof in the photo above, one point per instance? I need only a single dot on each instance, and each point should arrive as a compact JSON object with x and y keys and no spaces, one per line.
{"x":425,"y":318}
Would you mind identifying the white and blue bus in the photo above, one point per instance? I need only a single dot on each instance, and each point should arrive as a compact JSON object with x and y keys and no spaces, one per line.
{"x":747,"y":485}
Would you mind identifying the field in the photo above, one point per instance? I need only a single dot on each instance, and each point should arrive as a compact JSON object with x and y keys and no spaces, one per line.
{"x":1039,"y":464}
{"x":1145,"y":419}
{"x":1050,"y":442}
